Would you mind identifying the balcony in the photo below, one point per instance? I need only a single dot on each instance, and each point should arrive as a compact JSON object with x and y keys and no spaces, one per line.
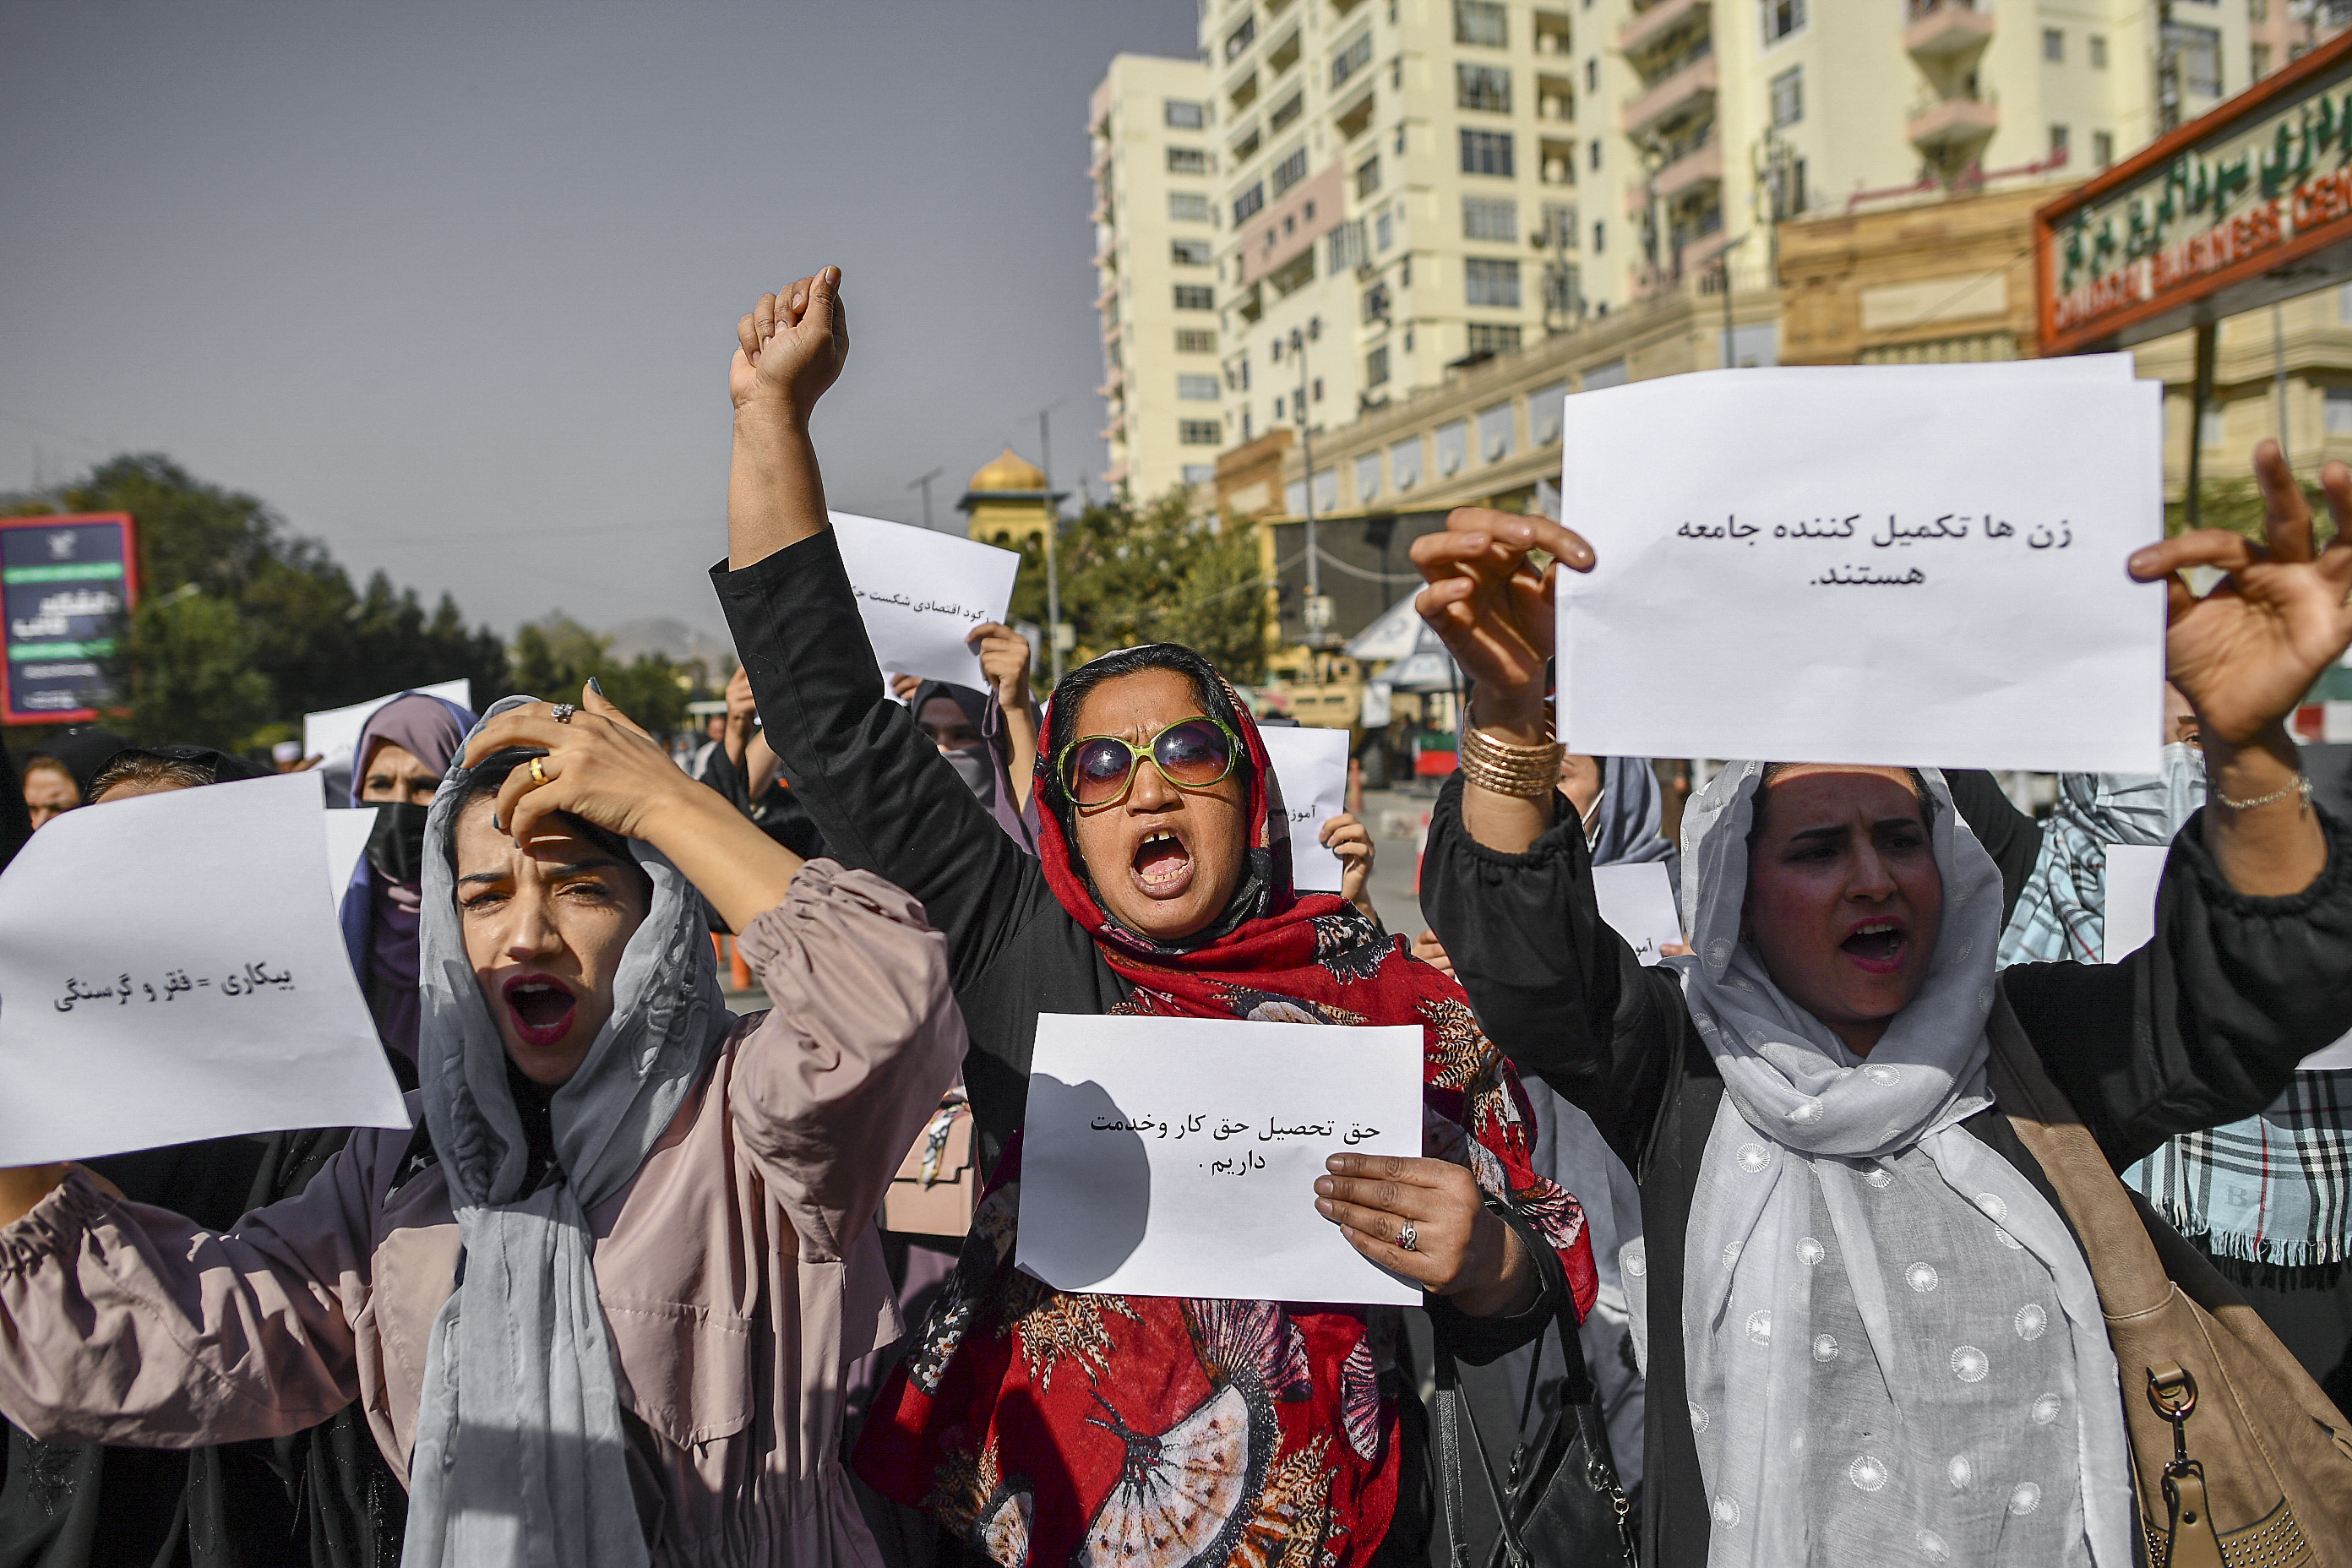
{"x":1679,"y":92}
{"x":1701,"y":165}
{"x":1946,"y":130}
{"x":1649,"y":28}
{"x":1945,"y":32}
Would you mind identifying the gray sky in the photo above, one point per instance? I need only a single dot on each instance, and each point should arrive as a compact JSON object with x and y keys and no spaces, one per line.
{"x":454,"y":286}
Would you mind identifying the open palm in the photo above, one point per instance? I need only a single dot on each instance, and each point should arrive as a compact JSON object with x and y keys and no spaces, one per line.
{"x":2246,"y":653}
{"x":1492,"y":606}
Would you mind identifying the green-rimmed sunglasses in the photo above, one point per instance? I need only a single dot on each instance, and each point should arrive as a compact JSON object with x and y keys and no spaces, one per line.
{"x":1191,"y":753}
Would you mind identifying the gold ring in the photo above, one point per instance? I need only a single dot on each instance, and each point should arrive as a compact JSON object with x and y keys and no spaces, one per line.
{"x":537,"y":774}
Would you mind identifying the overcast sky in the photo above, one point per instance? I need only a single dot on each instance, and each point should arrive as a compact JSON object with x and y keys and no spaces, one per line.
{"x":453,"y":287}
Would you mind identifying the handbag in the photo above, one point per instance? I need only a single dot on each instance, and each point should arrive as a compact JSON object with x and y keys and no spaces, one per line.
{"x":2238,"y":1457}
{"x":1561,"y":1503}
{"x":936,"y":1187}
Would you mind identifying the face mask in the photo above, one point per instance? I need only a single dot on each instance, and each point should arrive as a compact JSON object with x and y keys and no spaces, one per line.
{"x":2150,"y":808}
{"x":977,"y":768}
{"x":395,"y":847}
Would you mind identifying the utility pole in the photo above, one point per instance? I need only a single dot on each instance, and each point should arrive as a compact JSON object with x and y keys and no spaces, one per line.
{"x":1724,"y":262}
{"x":1316,"y":611}
{"x":1053,"y":529}
{"x":925,"y":483}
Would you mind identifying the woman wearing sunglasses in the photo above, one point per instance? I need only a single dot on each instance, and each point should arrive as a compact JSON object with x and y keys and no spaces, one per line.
{"x":1041,"y":1426}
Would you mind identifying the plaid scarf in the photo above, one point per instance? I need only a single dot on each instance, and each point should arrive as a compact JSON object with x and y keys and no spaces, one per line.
{"x":2274,"y":1191}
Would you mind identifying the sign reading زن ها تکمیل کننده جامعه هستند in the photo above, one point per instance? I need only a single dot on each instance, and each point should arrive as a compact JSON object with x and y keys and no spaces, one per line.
{"x":67,"y":583}
{"x":2250,"y":203}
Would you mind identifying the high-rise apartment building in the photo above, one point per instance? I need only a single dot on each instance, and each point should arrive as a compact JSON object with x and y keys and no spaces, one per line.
{"x":1156,"y":237}
{"x":1705,"y":123}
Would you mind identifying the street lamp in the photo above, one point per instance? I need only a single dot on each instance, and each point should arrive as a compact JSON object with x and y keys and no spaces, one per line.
{"x":1316,"y":611}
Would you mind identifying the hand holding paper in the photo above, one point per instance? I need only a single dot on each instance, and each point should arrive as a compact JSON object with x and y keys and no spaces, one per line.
{"x":921,"y":593}
{"x":1310,"y":770}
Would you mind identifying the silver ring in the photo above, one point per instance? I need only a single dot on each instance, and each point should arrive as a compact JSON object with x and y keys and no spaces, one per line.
{"x":562,"y":712}
{"x":1407,"y":1237}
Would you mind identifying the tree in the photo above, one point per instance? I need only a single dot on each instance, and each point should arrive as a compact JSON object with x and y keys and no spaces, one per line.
{"x":254,"y":626}
{"x":1157,"y":575}
{"x":555,"y":656}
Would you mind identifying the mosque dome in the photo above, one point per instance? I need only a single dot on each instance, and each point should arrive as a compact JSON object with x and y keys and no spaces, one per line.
{"x":1008,"y":472}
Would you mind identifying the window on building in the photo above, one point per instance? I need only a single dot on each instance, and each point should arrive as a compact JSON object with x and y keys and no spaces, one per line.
{"x":1289,"y":171}
{"x":1187,"y":206}
{"x":1605,"y":375}
{"x":1491,"y":338}
{"x":1327,"y":491}
{"x":1453,"y":448}
{"x":1376,"y":367}
{"x":2103,"y":148}
{"x":1196,"y":341}
{"x":1404,"y":280}
{"x":1195,"y":297}
{"x":1404,"y":463}
{"x":2053,"y":45}
{"x":2338,"y":411}
{"x":1593,"y":74}
{"x":1558,"y":224}
{"x":1400,"y":141}
{"x":2197,"y":52}
{"x":2061,"y":141}
{"x":1487,"y":152}
{"x":2259,"y":57}
{"x":1482,"y":87}
{"x":1294,"y":494}
{"x":1383,"y":232}
{"x":1490,"y":280}
{"x":1352,"y":58}
{"x":1191,"y":253}
{"x":1599,"y":237}
{"x":1277,"y":407}
{"x":1782,"y":18}
{"x":1197,"y":388}
{"x":1247,"y":205}
{"x":1318,"y":389}
{"x":1185,"y":115}
{"x":2096,"y":46}
{"x":1344,"y":247}
{"x":1594,"y":158}
{"x":1482,"y":22}
{"x":1544,"y":406}
{"x":1368,"y":177}
{"x":1493,"y":218}
{"x":1288,"y":110}
{"x":1187,"y":160}
{"x":1200,"y":432}
{"x":1367,"y":470}
{"x":1789,"y":97}
{"x":1497,"y":433}
{"x":1241,"y":37}
{"x":1200,"y":473}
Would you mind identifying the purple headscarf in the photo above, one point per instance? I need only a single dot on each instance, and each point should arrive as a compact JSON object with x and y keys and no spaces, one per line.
{"x":380,"y":915}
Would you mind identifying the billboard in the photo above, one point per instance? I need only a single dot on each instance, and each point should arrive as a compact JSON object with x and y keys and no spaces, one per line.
{"x":2251,"y":204}
{"x":66,"y":585}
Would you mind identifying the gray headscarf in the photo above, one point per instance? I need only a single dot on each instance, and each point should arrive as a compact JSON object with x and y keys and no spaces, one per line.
{"x":1895,"y":1352}
{"x":520,"y":1456}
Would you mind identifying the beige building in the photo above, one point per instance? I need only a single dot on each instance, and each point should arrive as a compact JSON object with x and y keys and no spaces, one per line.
{"x":1156,"y":239}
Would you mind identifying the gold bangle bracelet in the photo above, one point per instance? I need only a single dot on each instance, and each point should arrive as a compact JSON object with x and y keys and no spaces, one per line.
{"x":1500,"y":767}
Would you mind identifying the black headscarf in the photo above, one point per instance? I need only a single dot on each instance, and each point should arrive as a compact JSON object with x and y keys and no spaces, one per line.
{"x":992,"y":779}
{"x":83,"y":751}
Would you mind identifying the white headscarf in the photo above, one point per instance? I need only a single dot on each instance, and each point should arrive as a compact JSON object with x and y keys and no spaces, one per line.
{"x":1895,"y":1349}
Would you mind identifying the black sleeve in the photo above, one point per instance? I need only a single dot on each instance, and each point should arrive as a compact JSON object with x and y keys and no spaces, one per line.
{"x":875,"y":789}
{"x":1559,"y":992}
{"x":2203,"y":1025}
{"x":2013,"y":838}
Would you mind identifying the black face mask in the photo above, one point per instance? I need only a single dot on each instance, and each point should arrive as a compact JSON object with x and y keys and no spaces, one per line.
{"x":396,"y":845}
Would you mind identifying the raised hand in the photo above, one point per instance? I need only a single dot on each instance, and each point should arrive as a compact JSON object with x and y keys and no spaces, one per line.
{"x":791,"y":347}
{"x":2245,"y":653}
{"x":1492,"y":606}
{"x":1347,"y":837}
{"x":599,"y":766}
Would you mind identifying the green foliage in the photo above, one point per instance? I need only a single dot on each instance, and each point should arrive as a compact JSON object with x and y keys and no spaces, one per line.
{"x":2237,"y":505}
{"x":1156,"y":574}
{"x":555,"y":656}
{"x":243,"y":626}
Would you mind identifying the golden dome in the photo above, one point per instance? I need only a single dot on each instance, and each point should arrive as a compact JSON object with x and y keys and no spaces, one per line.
{"x":1008,"y":473}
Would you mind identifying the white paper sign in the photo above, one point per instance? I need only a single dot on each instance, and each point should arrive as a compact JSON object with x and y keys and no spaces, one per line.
{"x":347,"y":834}
{"x":1311,"y":765}
{"x":335,"y":733}
{"x":1178,"y":1156}
{"x":1917,"y":565}
{"x":2133,"y":872}
{"x":2334,"y":1058}
{"x":922,"y":592}
{"x":168,"y":972}
{"x":1637,"y":902}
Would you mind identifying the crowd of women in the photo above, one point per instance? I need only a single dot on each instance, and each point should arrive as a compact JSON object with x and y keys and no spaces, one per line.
{"x":1836,"y":1195}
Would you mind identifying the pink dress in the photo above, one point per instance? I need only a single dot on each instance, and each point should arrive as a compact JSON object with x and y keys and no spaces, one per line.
{"x":739,"y":1271}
